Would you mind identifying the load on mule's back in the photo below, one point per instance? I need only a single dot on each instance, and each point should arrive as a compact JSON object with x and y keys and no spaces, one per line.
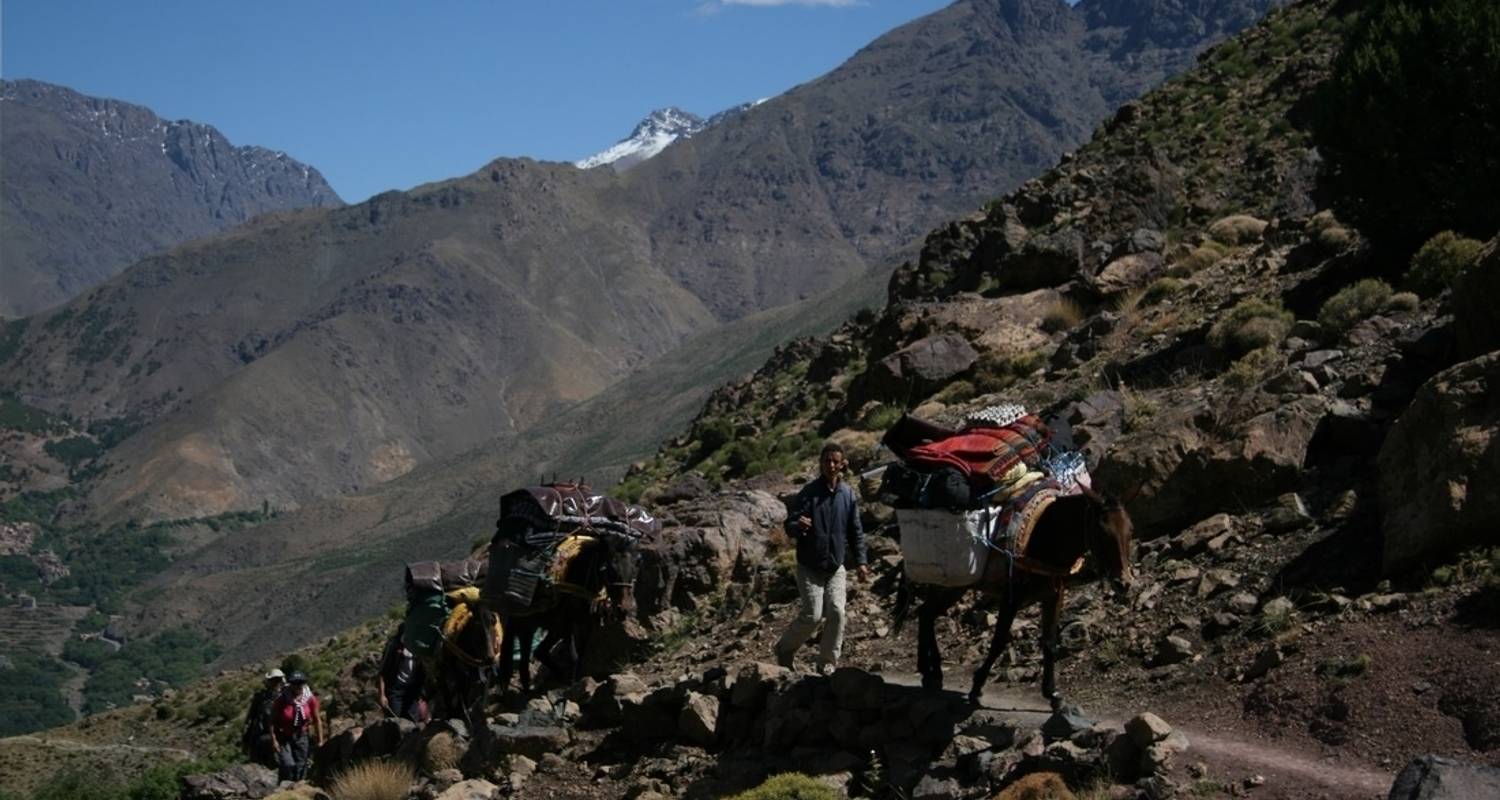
{"x":450,"y":635}
{"x":561,"y":552}
{"x":998,"y":508}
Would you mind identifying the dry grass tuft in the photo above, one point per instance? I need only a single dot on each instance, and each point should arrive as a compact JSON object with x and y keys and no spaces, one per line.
{"x":1064,"y":315}
{"x":372,"y":780}
{"x":1037,"y":786}
{"x":441,"y":752}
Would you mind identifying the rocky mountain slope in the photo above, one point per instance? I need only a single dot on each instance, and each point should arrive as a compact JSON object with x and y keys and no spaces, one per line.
{"x":476,"y":307}
{"x":90,"y":186}
{"x":1182,"y":301}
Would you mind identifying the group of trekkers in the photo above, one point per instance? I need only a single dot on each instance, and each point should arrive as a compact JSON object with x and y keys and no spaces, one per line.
{"x":823,"y":523}
{"x":282,"y":714}
{"x":283,"y":724}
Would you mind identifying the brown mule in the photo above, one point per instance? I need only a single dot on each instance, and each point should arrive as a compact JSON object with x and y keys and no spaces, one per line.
{"x":1067,"y":530}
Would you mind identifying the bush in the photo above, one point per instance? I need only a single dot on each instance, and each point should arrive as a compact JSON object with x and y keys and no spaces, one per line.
{"x":1161,"y":289}
{"x":1358,"y":301}
{"x":372,"y":780}
{"x":1403,"y":301}
{"x":789,"y":786}
{"x":1237,"y":229}
{"x":1439,"y":262}
{"x":1201,"y":258}
{"x":1411,"y":115}
{"x":1250,"y":325}
{"x":1250,"y":369}
{"x":1063,"y":315}
{"x":880,"y":418}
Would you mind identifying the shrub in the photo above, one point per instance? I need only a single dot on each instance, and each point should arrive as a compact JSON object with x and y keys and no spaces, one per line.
{"x":1237,"y":229}
{"x":1252,"y":324}
{"x":1351,"y":304}
{"x":955,"y":392}
{"x":1250,"y":369}
{"x":1411,"y":113}
{"x":1064,"y":315}
{"x":372,"y":780}
{"x":880,"y":418}
{"x":1161,"y":289}
{"x":1439,"y":261}
{"x":1139,"y":409}
{"x":1201,"y":258}
{"x":441,"y":752}
{"x":789,"y":786}
{"x":1403,"y":301}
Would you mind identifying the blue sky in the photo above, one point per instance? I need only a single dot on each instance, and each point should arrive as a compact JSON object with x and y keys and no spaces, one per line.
{"x":379,"y":94}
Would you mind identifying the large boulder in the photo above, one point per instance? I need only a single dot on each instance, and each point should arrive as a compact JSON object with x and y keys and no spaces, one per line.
{"x":1184,"y":473}
{"x":1438,"y":464}
{"x":1476,"y":318}
{"x":922,"y":366}
{"x":240,"y":782}
{"x":1438,"y":778}
{"x":683,"y":566}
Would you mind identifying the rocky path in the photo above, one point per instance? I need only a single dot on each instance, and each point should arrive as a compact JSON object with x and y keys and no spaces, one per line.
{"x":72,"y":746}
{"x":1287,"y":773}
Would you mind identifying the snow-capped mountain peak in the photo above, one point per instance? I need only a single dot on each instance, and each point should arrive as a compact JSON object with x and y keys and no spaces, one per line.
{"x":659,"y":129}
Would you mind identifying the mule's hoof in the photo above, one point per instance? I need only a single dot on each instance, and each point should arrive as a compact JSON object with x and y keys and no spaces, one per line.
{"x":973,"y":697}
{"x":932,"y":684}
{"x":1057,"y":702}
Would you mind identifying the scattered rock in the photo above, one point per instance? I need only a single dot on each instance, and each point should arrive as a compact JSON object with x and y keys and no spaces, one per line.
{"x":1065,"y":723}
{"x":1146,"y":729}
{"x":1381,"y":603}
{"x":699,"y":720}
{"x":1243,"y":603}
{"x":472,"y":789}
{"x":1289,"y":513}
{"x":1438,"y":778}
{"x":1172,"y":649}
{"x":1268,"y":659}
{"x":239,"y":781}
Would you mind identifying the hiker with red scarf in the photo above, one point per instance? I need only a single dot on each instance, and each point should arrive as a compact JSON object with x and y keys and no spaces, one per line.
{"x":293,"y":712}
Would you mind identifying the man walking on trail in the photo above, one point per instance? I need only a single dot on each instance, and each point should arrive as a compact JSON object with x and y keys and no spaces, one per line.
{"x":825,"y":526}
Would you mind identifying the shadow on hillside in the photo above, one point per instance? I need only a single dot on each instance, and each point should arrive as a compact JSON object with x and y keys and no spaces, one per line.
{"x":1348,"y":557}
{"x":1480,"y":609}
{"x":756,"y":747}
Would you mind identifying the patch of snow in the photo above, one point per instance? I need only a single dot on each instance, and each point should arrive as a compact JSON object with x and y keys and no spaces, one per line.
{"x":652,"y":135}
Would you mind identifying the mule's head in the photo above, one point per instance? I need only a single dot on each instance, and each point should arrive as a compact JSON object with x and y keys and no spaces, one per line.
{"x":1110,"y":540}
{"x":622,"y":563}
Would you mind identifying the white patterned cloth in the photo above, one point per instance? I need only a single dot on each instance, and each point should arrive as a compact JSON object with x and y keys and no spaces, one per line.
{"x":994,"y":416}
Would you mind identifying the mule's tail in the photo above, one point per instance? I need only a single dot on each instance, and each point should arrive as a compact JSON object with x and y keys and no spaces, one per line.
{"x":904,"y":597}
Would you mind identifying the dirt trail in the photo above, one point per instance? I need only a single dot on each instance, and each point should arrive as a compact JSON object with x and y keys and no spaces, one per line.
{"x":73,"y":746}
{"x":1287,"y":772}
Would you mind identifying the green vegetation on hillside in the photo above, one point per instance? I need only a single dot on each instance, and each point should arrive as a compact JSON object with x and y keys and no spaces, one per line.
{"x":32,"y":700}
{"x":17,"y":416}
{"x":170,"y":658}
{"x":1412,"y":112}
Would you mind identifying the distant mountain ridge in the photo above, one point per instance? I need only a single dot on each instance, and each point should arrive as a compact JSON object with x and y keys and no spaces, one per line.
{"x":91,"y":185}
{"x":319,"y":353}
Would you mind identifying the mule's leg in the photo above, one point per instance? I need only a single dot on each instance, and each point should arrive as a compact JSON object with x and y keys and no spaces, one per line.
{"x":929,"y":657}
{"x":526,"y":633}
{"x":998,"y":643}
{"x":580,"y":629}
{"x":1051,"y":615}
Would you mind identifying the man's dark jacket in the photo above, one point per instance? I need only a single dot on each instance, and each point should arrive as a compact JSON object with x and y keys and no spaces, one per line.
{"x":835,"y":527}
